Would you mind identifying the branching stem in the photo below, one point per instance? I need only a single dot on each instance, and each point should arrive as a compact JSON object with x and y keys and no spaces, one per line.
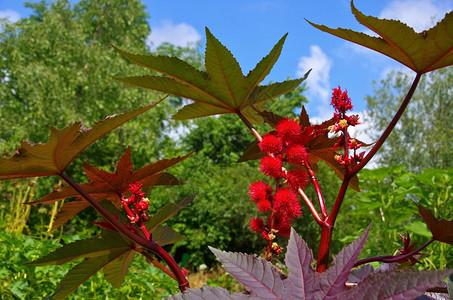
{"x":392,"y":258}
{"x":148,"y":244}
{"x":389,"y":128}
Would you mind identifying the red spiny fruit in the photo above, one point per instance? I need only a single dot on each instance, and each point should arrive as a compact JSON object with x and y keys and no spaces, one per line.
{"x":297,"y":178}
{"x":283,"y":224}
{"x":259,"y":191}
{"x":287,"y":202}
{"x":296,"y":154}
{"x":257,"y":224}
{"x":271,"y":166}
{"x":264,"y":206}
{"x":288,"y":130}
{"x":271,"y":144}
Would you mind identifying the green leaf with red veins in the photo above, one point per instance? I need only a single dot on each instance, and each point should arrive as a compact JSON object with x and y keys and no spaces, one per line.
{"x":422,"y":52}
{"x":442,"y":230}
{"x":222,"y":89}
{"x":106,"y":185}
{"x":64,"y":145}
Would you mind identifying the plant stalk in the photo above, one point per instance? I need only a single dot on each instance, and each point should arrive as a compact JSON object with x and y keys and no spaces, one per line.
{"x":392,"y":258}
{"x":148,"y":244}
{"x":324,"y":248}
{"x":389,"y":128}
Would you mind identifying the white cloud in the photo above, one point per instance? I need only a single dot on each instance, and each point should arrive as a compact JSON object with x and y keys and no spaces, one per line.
{"x":181,"y":34}
{"x":318,"y":80}
{"x":11,"y":15}
{"x":419,"y":14}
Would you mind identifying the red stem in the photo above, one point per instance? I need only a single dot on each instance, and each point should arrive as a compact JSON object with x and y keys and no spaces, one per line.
{"x":324,"y":248}
{"x":392,"y":258}
{"x":155,"y":262}
{"x":326,"y":233}
{"x":389,"y":128}
{"x":322,"y":205}
{"x":150,"y":245}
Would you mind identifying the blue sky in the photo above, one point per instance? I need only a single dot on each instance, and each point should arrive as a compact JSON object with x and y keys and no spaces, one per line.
{"x":250,"y":29}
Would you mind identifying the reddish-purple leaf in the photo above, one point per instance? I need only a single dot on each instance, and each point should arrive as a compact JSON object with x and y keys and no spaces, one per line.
{"x":301,"y":275}
{"x":259,"y":277}
{"x":422,"y":52}
{"x":209,"y":293}
{"x":332,"y":281}
{"x":53,"y":157}
{"x":110,"y":186}
{"x":395,"y":285}
{"x":442,"y":230}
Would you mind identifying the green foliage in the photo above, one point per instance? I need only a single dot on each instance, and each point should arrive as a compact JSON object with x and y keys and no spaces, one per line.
{"x":423,"y":140}
{"x":56,"y":71}
{"x":389,"y":199}
{"x":20,"y":281}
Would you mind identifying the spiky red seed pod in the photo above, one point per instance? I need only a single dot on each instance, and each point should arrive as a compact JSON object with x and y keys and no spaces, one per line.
{"x":297,"y":178}
{"x":259,"y":191}
{"x":264,"y":206}
{"x":296,"y":154}
{"x":288,"y":130}
{"x":283,"y":224}
{"x":271,"y":166}
{"x":271,"y":144}
{"x":257,"y":224}
{"x":287,"y":202}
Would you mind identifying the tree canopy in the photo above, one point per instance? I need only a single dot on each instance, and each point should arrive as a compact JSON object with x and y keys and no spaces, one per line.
{"x":424,"y":136}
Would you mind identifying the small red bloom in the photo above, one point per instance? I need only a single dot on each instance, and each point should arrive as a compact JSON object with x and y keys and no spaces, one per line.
{"x":257,"y":224}
{"x":271,"y":166}
{"x":340,"y":100}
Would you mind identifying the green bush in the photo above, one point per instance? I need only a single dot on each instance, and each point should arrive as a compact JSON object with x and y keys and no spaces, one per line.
{"x":389,"y":199}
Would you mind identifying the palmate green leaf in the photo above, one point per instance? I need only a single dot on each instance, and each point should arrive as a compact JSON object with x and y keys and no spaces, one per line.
{"x":63,"y":146}
{"x":421,"y":52}
{"x":221,"y":89}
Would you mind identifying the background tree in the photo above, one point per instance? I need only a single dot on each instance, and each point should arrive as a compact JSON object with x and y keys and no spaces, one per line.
{"x":424,"y":137}
{"x":55,"y":69}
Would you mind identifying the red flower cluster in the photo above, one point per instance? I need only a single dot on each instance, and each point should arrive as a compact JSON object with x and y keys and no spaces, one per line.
{"x":285,"y":150}
{"x":342,"y":103}
{"x":136,"y":205}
